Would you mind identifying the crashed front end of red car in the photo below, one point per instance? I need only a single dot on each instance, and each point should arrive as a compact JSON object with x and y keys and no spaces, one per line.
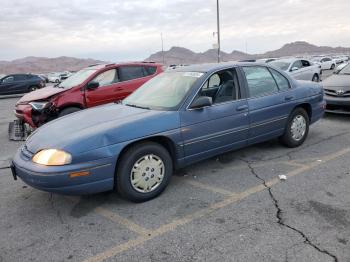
{"x":32,"y":110}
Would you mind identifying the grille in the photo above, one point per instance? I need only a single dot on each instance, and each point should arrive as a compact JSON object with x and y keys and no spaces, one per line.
{"x":334,"y":93}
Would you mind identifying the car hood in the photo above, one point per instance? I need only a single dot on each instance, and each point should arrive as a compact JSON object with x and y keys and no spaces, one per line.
{"x":40,"y":94}
{"x":337,"y":81}
{"x":99,"y":127}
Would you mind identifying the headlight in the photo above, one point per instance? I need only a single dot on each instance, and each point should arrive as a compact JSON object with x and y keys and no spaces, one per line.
{"x":39,"y":105}
{"x":52,"y":157}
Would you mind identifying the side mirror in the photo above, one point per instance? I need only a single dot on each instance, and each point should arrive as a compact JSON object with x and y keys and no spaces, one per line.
{"x":294,"y":69}
{"x":92,"y":85}
{"x":202,"y":101}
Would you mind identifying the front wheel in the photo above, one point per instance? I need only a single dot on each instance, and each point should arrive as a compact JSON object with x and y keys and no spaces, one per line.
{"x":33,"y":88}
{"x":315,"y":78}
{"x":332,"y":66}
{"x":143,"y":172}
{"x":297,"y":128}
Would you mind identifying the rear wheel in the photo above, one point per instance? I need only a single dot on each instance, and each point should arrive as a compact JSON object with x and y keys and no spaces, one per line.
{"x":68,"y":110}
{"x":332,"y":66}
{"x":315,"y":78}
{"x":143,"y":172}
{"x":297,"y":128}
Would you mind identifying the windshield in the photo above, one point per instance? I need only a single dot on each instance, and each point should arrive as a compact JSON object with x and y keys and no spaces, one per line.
{"x":280,"y":64}
{"x":77,"y":78}
{"x":164,"y":92}
{"x":345,"y":70}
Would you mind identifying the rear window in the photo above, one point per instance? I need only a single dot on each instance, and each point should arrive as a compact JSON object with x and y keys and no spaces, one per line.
{"x":131,"y":72}
{"x":150,"y":70}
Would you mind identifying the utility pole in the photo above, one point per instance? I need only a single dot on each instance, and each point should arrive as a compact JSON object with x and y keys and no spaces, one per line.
{"x":218,"y":25}
{"x":161,"y":37}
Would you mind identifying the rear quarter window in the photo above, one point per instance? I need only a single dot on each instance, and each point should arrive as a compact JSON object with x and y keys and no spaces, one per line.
{"x":282,"y":82}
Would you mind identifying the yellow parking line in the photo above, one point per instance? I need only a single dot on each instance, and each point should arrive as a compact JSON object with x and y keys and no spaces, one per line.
{"x":235,"y":197}
{"x":207,"y":187}
{"x":123,"y":221}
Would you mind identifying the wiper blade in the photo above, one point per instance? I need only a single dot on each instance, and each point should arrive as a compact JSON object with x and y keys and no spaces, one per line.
{"x":142,"y":107}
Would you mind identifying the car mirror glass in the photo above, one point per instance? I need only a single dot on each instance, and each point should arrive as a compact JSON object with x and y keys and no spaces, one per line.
{"x":92,"y":85}
{"x":201,"y":102}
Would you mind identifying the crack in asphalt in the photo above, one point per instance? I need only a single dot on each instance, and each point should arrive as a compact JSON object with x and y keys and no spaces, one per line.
{"x":56,"y":210}
{"x":280,"y":218}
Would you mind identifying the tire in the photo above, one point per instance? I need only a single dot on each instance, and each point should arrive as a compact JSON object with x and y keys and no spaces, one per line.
{"x":33,"y":88}
{"x":333,"y":66}
{"x":57,"y":81}
{"x":295,"y":136}
{"x":147,"y":156}
{"x":315,"y":78}
{"x":68,"y":110}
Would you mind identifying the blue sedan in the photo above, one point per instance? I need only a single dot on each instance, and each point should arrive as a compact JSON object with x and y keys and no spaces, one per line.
{"x":182,"y":116}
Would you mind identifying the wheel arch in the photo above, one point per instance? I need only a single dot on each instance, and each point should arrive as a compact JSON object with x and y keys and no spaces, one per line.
{"x":307,"y":107}
{"x":164,"y":141}
{"x":77,"y":105}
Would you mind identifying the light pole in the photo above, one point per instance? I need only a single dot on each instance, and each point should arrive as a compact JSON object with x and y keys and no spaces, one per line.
{"x":218,"y":25}
{"x":161,"y":37}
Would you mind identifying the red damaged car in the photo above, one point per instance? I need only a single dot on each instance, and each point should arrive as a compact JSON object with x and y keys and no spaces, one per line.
{"x":91,"y":86}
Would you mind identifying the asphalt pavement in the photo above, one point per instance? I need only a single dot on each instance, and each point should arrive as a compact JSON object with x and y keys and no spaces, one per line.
{"x":232,"y":207}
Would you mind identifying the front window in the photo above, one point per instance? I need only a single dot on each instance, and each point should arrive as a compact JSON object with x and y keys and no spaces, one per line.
{"x":165,"y":91}
{"x":280,"y":65}
{"x":345,"y":70}
{"x":77,"y":78}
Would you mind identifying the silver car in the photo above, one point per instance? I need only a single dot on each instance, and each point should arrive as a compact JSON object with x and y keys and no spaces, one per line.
{"x":300,"y":69}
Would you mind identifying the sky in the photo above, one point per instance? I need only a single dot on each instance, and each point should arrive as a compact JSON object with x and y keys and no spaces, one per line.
{"x":120,"y":30}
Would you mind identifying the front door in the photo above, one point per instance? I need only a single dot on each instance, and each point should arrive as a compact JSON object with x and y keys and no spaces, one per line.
{"x":107,"y":91}
{"x":221,"y":127}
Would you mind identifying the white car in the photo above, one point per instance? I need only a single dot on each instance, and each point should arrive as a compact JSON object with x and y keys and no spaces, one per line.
{"x":54,"y":77}
{"x":299,"y":68}
{"x":326,"y":63}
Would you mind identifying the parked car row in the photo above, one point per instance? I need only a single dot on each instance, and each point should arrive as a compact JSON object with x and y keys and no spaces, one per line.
{"x":179,"y":117}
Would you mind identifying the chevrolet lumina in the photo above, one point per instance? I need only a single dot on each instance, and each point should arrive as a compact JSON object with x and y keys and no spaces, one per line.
{"x":177,"y":118}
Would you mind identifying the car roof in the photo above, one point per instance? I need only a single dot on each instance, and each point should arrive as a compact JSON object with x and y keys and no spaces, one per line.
{"x":113,"y":65}
{"x":212,"y":66}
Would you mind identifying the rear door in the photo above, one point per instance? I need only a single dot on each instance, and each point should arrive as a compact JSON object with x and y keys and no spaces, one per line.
{"x":134,"y":76}
{"x":270,"y":102}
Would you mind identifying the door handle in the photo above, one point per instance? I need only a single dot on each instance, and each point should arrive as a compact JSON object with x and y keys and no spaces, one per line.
{"x":242,"y":108}
{"x":118,"y":88}
{"x":288,"y":98}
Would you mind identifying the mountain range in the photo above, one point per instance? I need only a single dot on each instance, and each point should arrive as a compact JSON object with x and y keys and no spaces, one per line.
{"x":33,"y":64}
{"x":180,"y":55}
{"x":175,"y":55}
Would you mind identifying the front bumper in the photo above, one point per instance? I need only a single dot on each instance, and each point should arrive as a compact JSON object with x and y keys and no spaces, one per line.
{"x":339,"y":105}
{"x":24,"y":112}
{"x":57,"y":179}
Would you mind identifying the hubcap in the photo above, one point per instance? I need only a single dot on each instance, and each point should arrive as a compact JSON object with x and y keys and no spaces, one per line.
{"x":147,"y":173}
{"x":298,"y":127}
